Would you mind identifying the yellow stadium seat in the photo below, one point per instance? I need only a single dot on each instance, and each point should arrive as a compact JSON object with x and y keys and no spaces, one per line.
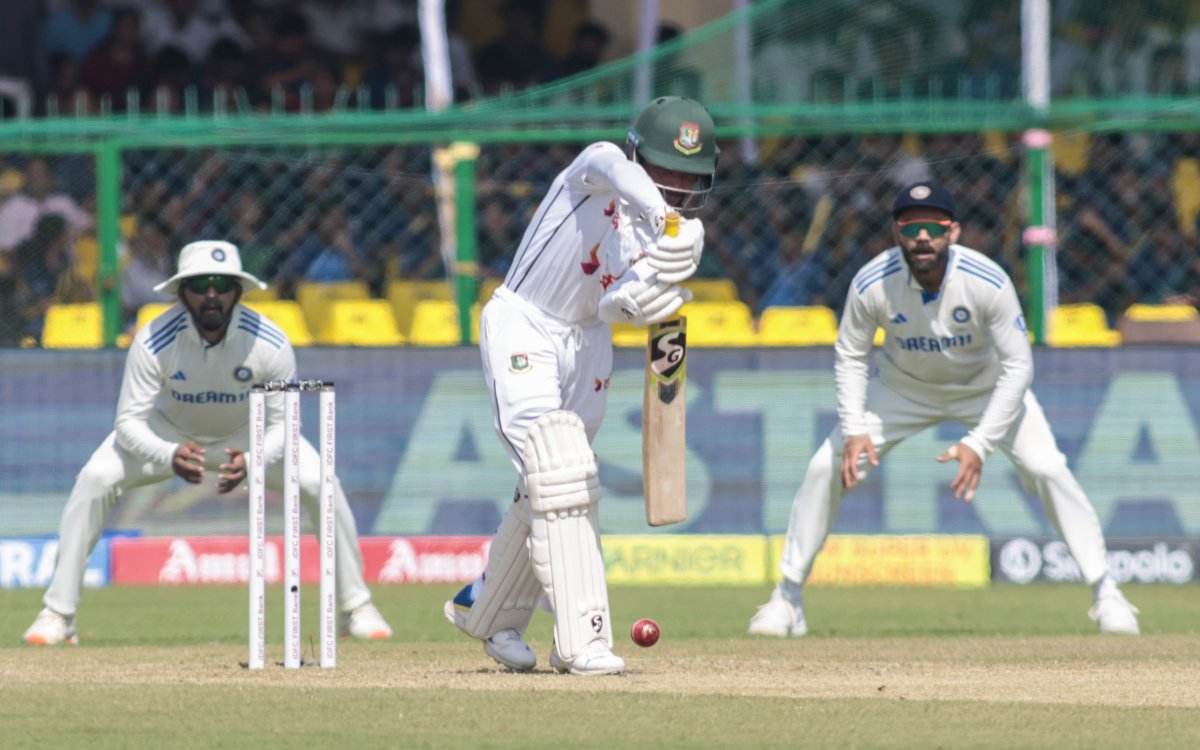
{"x":712,"y":290}
{"x":288,"y":316}
{"x":78,"y":326}
{"x":1071,"y":151}
{"x":719,"y":324}
{"x":404,"y":296}
{"x":1162,"y":313}
{"x":1081,"y":324}
{"x":359,"y":322}
{"x":628,"y":335}
{"x":487,"y":287}
{"x":1185,"y":189}
{"x":435,"y":323}
{"x":148,"y":312}
{"x":251,"y":293}
{"x":87,"y":257}
{"x":798,"y":326}
{"x":314,"y":297}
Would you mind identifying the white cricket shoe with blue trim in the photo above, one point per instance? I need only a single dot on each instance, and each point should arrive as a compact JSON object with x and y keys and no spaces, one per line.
{"x":507,"y":647}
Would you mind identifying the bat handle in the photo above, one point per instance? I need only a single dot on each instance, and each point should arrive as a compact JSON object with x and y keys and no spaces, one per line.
{"x":671,"y":228}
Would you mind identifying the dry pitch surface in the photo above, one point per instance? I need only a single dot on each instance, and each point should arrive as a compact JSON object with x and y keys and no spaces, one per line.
{"x":1001,"y":690}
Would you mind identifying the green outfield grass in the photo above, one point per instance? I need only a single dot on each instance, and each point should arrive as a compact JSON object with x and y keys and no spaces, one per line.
{"x":1005,"y":667}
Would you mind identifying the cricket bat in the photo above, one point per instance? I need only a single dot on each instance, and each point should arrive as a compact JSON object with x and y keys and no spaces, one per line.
{"x":664,"y":415}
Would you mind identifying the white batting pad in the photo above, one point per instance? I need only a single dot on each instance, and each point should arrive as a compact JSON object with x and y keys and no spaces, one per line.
{"x":564,"y":541}
{"x":510,"y":589}
{"x":560,"y":468}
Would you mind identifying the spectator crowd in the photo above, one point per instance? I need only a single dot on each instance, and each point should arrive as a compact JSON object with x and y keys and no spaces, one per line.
{"x":790,"y":226}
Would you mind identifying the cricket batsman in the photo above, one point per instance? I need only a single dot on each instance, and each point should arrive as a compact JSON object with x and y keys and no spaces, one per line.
{"x":595,"y":253}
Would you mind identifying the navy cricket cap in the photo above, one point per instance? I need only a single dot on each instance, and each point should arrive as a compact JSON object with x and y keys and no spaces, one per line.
{"x":924,"y":195}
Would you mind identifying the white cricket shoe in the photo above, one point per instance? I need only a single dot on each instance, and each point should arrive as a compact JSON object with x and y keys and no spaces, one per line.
{"x":366,"y":624}
{"x":50,"y":629}
{"x":596,"y":658}
{"x":779,"y":618}
{"x":509,"y":649}
{"x":1113,"y":612}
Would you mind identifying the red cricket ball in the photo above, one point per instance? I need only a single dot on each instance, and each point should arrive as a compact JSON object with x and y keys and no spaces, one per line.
{"x":645,"y":632}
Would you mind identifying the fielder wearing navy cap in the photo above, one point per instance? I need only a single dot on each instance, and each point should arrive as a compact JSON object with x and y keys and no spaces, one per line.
{"x":924,"y":195}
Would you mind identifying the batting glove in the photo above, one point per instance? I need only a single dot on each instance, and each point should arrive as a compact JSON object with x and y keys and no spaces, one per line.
{"x":677,"y":258}
{"x":642,"y":303}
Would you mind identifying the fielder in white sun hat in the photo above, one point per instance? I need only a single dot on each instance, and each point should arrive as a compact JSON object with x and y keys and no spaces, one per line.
{"x":206,"y":258}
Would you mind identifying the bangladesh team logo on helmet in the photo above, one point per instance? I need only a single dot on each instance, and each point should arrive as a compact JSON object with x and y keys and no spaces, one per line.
{"x":677,"y":133}
{"x":688,"y":142}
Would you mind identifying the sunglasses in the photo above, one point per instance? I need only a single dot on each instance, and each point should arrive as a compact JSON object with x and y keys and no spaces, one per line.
{"x":933,"y":227}
{"x":201,"y":284}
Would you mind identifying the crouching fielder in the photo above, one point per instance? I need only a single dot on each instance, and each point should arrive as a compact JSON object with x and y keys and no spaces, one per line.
{"x":594,"y":254}
{"x":956,"y":349}
{"x":182,"y":413}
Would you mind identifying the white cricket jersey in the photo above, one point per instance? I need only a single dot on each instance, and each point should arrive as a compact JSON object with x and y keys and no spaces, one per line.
{"x":175,"y":379}
{"x":580,"y":239}
{"x":968,"y":338}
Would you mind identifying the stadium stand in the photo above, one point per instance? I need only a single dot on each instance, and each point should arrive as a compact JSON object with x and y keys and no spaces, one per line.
{"x":1081,"y":324}
{"x":359,"y":322}
{"x":404,"y":296}
{"x":287,"y":315}
{"x":314,"y":298}
{"x":719,"y":324}
{"x":435,"y":323}
{"x":798,"y":326}
{"x":75,"y":326}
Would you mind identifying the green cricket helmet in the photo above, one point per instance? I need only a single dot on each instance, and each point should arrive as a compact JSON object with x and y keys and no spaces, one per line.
{"x":677,"y":133}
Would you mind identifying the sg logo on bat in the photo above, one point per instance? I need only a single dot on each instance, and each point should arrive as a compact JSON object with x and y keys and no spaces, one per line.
{"x":668,"y":356}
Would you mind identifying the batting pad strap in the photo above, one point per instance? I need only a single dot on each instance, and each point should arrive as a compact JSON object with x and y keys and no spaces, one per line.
{"x":560,"y":468}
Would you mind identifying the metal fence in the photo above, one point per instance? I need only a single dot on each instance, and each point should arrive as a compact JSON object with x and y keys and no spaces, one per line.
{"x":789,"y":229}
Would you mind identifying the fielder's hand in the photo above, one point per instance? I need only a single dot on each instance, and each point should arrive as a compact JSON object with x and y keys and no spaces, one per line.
{"x":677,"y":258}
{"x":855,"y":448}
{"x":232,"y":473}
{"x":970,"y":466}
{"x":188,"y":462}
{"x":643,"y":303}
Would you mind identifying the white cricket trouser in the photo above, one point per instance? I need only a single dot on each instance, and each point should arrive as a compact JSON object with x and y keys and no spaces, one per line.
{"x":892,"y":417}
{"x":534,"y":364}
{"x":111,"y":470}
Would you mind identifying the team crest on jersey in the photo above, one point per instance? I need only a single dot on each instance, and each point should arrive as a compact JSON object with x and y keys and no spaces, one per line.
{"x":961,"y":314}
{"x":243,"y":374}
{"x":519,"y":364}
{"x":218,"y":255}
{"x":688,"y":142}
{"x":592,"y":265}
{"x":602,"y":385}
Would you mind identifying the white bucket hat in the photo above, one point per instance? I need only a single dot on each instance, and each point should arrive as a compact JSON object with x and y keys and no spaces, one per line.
{"x":207,"y":257}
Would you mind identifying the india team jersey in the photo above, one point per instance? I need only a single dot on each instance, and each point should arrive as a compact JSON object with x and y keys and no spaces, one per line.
{"x":966,"y":339}
{"x":175,"y":378}
{"x":572,"y":250}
